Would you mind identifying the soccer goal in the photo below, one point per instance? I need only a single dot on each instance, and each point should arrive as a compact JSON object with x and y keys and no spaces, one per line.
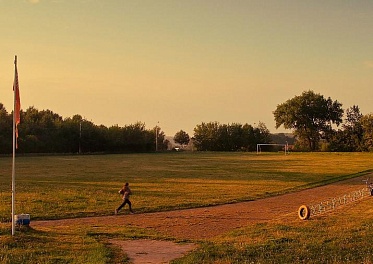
{"x":272,"y":147}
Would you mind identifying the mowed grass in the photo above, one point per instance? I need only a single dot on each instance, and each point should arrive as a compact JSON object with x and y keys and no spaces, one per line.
{"x":74,"y":186}
{"x":54,"y":187}
{"x":342,"y":236}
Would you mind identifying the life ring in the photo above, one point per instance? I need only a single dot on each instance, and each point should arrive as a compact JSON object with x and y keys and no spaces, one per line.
{"x":304,"y":212}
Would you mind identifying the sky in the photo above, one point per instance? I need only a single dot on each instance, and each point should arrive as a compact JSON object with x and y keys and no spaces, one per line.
{"x":177,"y":64}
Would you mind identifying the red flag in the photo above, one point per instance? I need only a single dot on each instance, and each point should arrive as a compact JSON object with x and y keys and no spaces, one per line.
{"x":17,"y":101}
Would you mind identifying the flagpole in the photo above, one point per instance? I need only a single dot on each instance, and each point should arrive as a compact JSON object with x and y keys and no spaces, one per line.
{"x":14,"y":152}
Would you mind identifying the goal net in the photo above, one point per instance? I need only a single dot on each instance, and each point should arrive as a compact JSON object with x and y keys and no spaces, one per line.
{"x":272,"y":148}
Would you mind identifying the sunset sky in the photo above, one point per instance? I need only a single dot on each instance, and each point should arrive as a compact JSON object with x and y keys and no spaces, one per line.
{"x":181,"y":63}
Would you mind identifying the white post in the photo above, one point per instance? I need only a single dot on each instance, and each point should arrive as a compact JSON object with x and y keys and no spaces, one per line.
{"x":14,"y":156}
{"x":13,"y":178}
{"x":156,"y":137}
{"x":80,"y":137}
{"x":286,"y":148}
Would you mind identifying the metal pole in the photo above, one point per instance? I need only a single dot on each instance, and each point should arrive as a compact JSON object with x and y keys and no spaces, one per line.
{"x":80,"y":137}
{"x":13,"y":180}
{"x":14,"y":156}
{"x":156,"y":137}
{"x":286,"y":148}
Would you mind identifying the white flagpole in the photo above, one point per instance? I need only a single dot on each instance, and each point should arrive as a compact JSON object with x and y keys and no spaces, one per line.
{"x":14,"y":155}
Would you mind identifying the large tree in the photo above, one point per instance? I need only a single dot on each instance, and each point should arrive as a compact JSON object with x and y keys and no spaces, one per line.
{"x":182,"y":138}
{"x":310,"y":116}
{"x":205,"y":136}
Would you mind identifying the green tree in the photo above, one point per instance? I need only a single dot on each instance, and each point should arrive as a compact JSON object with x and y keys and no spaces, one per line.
{"x":353,"y":128}
{"x":262,"y":133}
{"x":182,"y":138}
{"x":39,"y":131}
{"x":115,"y":139}
{"x":6,"y":130}
{"x":221,"y":137}
{"x":350,"y":138}
{"x":311,"y":116}
{"x":236,"y":133}
{"x":206,"y":135}
{"x":248,"y":138}
{"x":47,"y":132}
{"x":367,"y":125}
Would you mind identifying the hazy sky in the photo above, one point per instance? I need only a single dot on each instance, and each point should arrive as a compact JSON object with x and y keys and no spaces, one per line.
{"x":181,"y":63}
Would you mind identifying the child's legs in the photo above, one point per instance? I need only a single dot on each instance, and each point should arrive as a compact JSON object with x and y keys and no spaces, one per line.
{"x":129,"y":204}
{"x":121,"y":206}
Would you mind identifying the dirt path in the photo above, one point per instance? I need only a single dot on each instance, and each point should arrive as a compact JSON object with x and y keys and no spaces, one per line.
{"x":205,"y":223}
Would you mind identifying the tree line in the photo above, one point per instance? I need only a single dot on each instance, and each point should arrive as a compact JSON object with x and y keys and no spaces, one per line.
{"x":47,"y":132}
{"x":318,"y":124}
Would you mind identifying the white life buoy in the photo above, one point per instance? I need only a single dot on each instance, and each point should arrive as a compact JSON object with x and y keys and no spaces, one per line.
{"x":304,"y":212}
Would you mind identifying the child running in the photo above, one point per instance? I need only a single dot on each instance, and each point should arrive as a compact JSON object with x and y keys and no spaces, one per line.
{"x":125,"y":192}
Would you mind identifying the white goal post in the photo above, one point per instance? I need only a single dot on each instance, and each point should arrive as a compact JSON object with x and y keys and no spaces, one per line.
{"x":259,"y":149}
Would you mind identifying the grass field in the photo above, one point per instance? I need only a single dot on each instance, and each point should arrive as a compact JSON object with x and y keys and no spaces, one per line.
{"x":53,"y":187}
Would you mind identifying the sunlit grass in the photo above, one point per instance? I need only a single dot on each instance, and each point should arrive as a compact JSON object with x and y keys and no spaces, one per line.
{"x":72,"y":186}
{"x":78,"y":186}
{"x":62,"y":246}
{"x":343,"y":236}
